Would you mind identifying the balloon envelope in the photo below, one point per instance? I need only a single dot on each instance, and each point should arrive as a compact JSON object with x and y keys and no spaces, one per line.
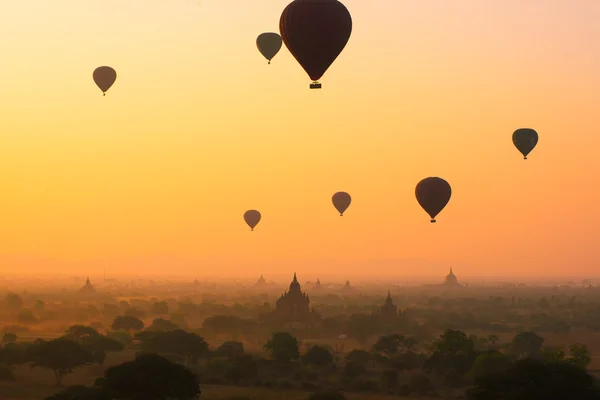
{"x":269,"y":44}
{"x":104,"y":77}
{"x":252,"y":218}
{"x":315,"y":32}
{"x":341,"y":202}
{"x":433,"y":194}
{"x":525,"y":140}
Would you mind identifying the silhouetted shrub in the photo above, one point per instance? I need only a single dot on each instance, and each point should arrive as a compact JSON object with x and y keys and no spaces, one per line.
{"x":286,"y":385}
{"x":309,"y":386}
{"x":353,"y":369}
{"x":404,"y":390}
{"x":6,"y":374}
{"x":327,"y":396}
{"x":9,"y":337}
{"x":365,"y":386}
{"x":453,"y":378}
{"x":420,"y":383}
{"x":318,"y":355}
{"x":389,"y":379}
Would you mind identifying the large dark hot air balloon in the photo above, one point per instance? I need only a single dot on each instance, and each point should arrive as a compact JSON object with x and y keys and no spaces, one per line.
{"x":433,"y":194}
{"x":341,"y":202}
{"x":104,"y":77}
{"x":269,"y":44}
{"x":315,"y":32}
{"x":525,"y":140}
{"x":252,"y":218}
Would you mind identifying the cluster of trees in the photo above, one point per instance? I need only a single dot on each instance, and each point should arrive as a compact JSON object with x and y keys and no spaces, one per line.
{"x":394,"y":364}
{"x":512,"y":310}
{"x":416,"y":362}
{"x":148,"y":377}
{"x":81,"y":345}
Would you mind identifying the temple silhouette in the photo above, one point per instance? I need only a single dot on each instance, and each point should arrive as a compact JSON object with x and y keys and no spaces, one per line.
{"x":260,"y":282}
{"x":451,"y":280}
{"x":318,"y":287}
{"x":388,"y":309}
{"x":293,"y":306}
{"x":347,"y":289}
{"x":87,"y":289}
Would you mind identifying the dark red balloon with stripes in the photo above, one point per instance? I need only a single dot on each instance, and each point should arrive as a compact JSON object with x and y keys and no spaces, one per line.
{"x":315,"y":32}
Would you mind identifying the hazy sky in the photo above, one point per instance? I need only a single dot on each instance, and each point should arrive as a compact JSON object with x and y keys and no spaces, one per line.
{"x":198,"y":129}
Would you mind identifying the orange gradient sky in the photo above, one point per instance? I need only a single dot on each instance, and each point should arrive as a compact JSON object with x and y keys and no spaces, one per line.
{"x":198,"y":128}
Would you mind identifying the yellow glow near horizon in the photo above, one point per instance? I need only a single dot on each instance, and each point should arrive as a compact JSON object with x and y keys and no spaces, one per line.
{"x":198,"y":129}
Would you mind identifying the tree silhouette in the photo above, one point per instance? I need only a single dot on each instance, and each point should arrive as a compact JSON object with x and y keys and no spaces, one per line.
{"x":327,"y":396}
{"x":527,"y":344}
{"x":231,"y":350}
{"x":62,"y":356}
{"x":127,"y":323}
{"x":98,"y":345}
{"x":489,"y":362}
{"x":318,"y":355}
{"x":361,"y":357}
{"x":532,"y":379}
{"x":283,"y":347}
{"x":161,"y":325}
{"x":580,"y":355}
{"x":6,"y":374}
{"x":452,"y":351}
{"x":150,"y":377}
{"x":389,"y":345}
{"x":362,"y":327}
{"x":12,"y":354}
{"x":180,"y":342}
{"x":160,"y":307}
{"x":81,"y":334}
{"x":80,"y":393}
{"x":9,"y":338}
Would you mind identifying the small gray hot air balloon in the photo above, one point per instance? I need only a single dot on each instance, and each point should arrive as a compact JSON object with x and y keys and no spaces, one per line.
{"x":269,"y":44}
{"x":252,"y":218}
{"x":104,"y":77}
{"x":341,"y":202}
{"x":525,"y":140}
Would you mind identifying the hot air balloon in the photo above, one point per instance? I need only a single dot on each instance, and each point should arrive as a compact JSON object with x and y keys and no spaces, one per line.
{"x":105,"y":77}
{"x":341,"y":202}
{"x":252,"y":218}
{"x":433,"y":194}
{"x":269,"y":44}
{"x":315,"y":32}
{"x":525,"y":140}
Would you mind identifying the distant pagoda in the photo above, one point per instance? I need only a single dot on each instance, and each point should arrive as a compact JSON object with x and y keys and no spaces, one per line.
{"x":347,"y":289}
{"x":451,"y":280}
{"x":293,"y":305}
{"x":388,"y":308}
{"x":87,"y":289}
{"x":318,"y":287}
{"x":261,"y":281}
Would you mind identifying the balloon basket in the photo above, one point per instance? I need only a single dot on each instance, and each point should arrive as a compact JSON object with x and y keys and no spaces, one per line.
{"x":315,"y":85}
{"x":433,"y":221}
